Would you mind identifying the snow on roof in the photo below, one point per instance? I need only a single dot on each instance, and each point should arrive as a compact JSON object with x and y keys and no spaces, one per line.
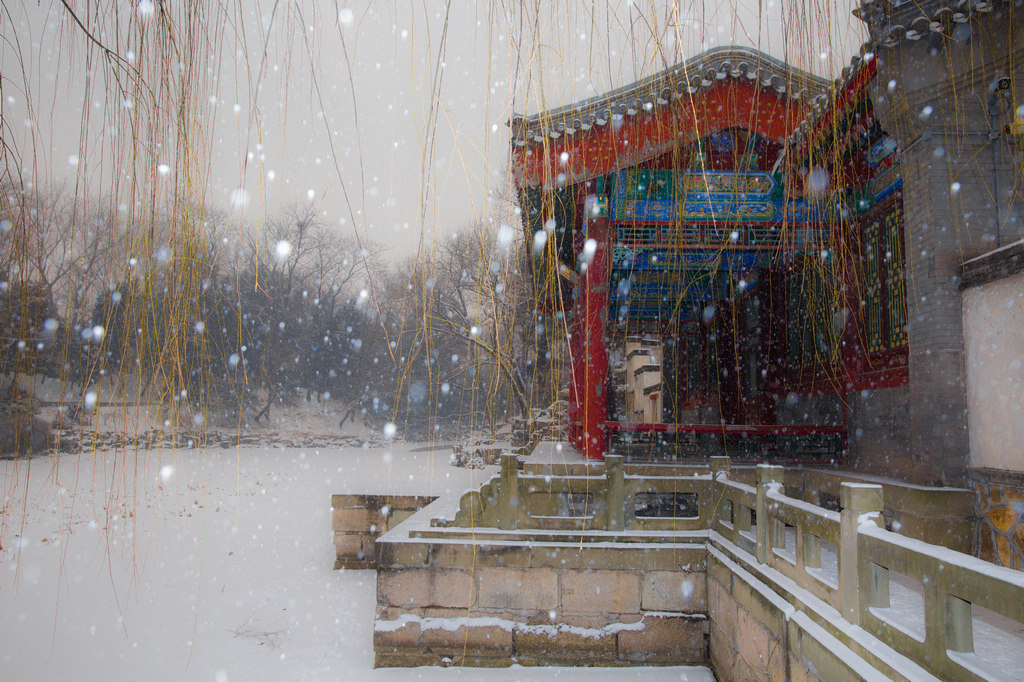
{"x":690,"y":77}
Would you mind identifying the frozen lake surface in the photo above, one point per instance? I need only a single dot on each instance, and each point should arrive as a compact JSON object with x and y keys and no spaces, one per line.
{"x":189,"y":565}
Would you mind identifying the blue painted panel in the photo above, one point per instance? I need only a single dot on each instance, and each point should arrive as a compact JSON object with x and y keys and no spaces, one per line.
{"x":725,"y":196}
{"x":643,"y":259}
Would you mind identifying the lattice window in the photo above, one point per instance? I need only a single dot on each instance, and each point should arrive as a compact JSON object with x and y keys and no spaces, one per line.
{"x":873,"y":296}
{"x":885,"y":298}
{"x":894,"y":281}
{"x":813,"y":301}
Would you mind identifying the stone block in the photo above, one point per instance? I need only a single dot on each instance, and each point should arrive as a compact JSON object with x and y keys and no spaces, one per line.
{"x":517,"y":588}
{"x":722,"y":656}
{"x":823,"y":663}
{"x":425,"y":587}
{"x":740,"y":671}
{"x":349,"y":544}
{"x":798,"y":672}
{"x":600,"y":592}
{"x":759,"y":607}
{"x":719,"y":572}
{"x":409,"y":587}
{"x":562,"y":646}
{"x":778,"y":669}
{"x":721,"y":645}
{"x":442,"y":612}
{"x":503,"y":555}
{"x":722,"y":612}
{"x":352,"y":544}
{"x":687,"y":558}
{"x":714,"y":598}
{"x":589,"y":621}
{"x":347,"y":500}
{"x":476,"y":640}
{"x":403,"y":659}
{"x":1003,"y":518}
{"x":674,"y":591}
{"x":395,"y":638}
{"x":452,"y":555}
{"x":398,"y":516}
{"x":676,"y":640}
{"x":454,"y":589}
{"x":756,"y":646}
{"x":353,"y":519}
{"x":391,"y":613}
{"x":397,"y":554}
{"x":552,"y":557}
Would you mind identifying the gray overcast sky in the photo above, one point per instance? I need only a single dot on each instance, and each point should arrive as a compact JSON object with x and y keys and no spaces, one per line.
{"x":401,"y":106}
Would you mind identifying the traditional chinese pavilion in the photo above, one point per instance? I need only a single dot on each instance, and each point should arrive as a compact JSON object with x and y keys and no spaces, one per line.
{"x":748,"y":260}
{"x":723,"y":243}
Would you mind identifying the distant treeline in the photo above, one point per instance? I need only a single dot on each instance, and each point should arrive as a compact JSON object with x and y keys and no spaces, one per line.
{"x":231,"y":319}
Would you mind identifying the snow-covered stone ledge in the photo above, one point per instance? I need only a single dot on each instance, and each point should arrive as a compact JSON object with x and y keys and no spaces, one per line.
{"x":575,"y":567}
{"x":359,"y":519}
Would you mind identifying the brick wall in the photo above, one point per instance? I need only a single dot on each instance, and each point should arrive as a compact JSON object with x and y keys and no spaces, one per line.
{"x":358,"y":520}
{"x":879,"y":432}
{"x":538,"y":603}
{"x":934,"y":95}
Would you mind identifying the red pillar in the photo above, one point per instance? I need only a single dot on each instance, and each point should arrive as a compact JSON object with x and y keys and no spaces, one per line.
{"x":576,"y":336}
{"x":590,"y":362}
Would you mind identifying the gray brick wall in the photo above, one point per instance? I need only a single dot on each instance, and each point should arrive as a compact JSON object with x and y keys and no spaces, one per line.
{"x":879,"y":432}
{"x":940,"y":97}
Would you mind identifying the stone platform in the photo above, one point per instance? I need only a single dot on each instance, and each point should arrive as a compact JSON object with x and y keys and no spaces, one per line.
{"x":762,"y":573}
{"x":459,"y":594}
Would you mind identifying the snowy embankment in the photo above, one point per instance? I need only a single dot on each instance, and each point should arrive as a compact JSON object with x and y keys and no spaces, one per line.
{"x":216,"y":565}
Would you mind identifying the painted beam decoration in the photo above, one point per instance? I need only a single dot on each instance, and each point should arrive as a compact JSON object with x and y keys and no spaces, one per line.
{"x":730,"y":202}
{"x":644,"y":259}
{"x":660,"y":295}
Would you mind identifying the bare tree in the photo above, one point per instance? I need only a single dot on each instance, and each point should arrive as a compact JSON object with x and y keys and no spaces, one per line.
{"x":472,"y":308}
{"x":297,"y":276}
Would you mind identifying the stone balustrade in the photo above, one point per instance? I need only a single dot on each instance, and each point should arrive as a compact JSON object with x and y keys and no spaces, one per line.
{"x":794,"y":590}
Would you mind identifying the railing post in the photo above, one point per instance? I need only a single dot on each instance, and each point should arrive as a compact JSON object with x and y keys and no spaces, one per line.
{"x":719,"y":469}
{"x":615,"y":491}
{"x":741,"y":518}
{"x":858,"y":500}
{"x":508,"y":492}
{"x":768,"y":476}
{"x":959,"y":625}
{"x":810,"y":550}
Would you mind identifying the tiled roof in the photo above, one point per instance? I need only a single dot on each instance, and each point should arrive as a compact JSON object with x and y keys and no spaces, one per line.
{"x":688,"y":78}
{"x":892,"y":21}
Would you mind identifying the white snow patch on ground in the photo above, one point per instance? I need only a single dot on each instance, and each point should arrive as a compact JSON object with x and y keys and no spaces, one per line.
{"x":220,"y":569}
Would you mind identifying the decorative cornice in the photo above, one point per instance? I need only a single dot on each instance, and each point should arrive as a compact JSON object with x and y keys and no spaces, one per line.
{"x":998,"y":264}
{"x":893,"y":21}
{"x":662,"y":89}
{"x":853,"y":78}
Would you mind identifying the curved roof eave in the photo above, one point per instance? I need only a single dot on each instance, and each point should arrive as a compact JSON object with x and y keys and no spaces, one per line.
{"x":689,"y":77}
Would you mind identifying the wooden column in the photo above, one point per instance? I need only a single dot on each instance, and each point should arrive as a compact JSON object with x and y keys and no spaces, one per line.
{"x":590,"y":366}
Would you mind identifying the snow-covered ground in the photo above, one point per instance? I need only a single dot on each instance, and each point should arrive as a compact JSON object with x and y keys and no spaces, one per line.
{"x":206,"y":565}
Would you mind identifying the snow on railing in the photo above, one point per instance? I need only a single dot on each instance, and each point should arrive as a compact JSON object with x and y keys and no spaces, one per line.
{"x":957,"y":589}
{"x":845,"y":559}
{"x":605,"y":499}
